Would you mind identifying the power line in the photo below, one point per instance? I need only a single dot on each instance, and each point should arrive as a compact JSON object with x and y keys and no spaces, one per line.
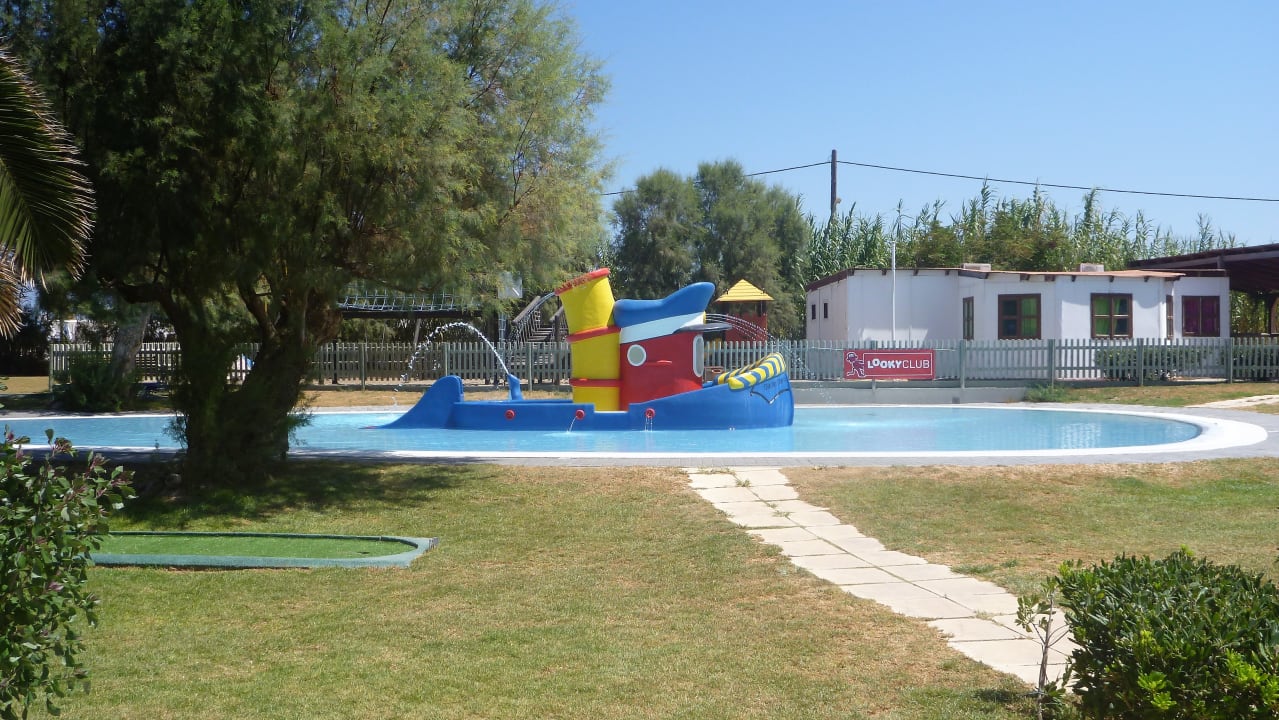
{"x":997,"y":180}
{"x":1054,"y":185}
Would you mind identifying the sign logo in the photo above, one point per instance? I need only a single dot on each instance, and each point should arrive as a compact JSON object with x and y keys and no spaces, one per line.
{"x":890,"y":365}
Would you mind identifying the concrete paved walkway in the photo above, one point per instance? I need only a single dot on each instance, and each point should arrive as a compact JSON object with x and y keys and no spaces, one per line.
{"x":977,"y":618}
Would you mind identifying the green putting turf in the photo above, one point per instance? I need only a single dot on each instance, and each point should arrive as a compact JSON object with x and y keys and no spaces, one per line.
{"x":256,"y":549}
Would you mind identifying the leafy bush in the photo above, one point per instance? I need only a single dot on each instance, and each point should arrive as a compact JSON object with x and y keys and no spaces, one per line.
{"x":89,"y":384}
{"x":1255,"y":362}
{"x":1157,"y":362}
{"x":1047,"y":393}
{"x":50,"y":520}
{"x":1173,"y":638}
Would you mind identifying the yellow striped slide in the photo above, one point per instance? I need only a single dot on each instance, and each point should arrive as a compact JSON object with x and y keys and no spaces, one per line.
{"x":769,"y":366}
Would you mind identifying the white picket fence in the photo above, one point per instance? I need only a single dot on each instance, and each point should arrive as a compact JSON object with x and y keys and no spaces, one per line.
{"x":957,"y":361}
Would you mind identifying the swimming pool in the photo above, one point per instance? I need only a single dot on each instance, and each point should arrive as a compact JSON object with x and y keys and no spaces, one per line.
{"x":819,"y":431}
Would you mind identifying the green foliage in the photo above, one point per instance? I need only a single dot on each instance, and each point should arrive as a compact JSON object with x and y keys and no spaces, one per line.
{"x":1178,"y":638}
{"x":254,"y":158}
{"x":1155,"y":362}
{"x":659,"y":231}
{"x":1008,"y":233}
{"x":90,"y":384}
{"x":1037,"y":615}
{"x":51,"y":518}
{"x":1047,"y":393}
{"x":718,"y":226}
{"x":46,"y":204}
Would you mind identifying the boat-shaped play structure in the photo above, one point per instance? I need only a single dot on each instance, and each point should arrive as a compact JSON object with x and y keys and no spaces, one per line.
{"x":635,"y":365}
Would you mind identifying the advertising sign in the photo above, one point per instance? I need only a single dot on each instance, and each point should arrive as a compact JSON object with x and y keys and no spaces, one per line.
{"x":889,"y":365}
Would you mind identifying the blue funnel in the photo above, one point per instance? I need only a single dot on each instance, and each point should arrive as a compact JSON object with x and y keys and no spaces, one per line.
{"x":514,"y":383}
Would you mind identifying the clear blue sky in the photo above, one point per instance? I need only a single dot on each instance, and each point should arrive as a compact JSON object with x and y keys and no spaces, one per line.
{"x":1177,"y":96}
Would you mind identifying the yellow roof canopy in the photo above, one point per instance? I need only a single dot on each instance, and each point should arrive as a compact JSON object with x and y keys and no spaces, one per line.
{"x":743,"y":292}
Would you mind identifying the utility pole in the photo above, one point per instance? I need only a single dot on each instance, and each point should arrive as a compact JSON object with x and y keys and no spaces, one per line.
{"x":834,"y":185}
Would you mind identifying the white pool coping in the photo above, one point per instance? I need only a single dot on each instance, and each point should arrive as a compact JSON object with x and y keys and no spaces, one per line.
{"x":1216,"y":434}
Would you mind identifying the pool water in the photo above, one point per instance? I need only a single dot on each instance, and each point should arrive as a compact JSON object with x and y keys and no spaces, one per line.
{"x":876,"y":429}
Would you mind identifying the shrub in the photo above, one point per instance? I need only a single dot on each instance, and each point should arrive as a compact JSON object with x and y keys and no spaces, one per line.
{"x":1157,"y":362}
{"x":1173,"y":638}
{"x":50,"y":520}
{"x":1047,"y":393}
{"x":89,"y":384}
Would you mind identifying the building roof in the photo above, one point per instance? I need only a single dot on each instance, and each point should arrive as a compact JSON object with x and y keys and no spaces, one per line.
{"x":743,"y":292}
{"x":1024,"y":274}
{"x":1252,"y":269}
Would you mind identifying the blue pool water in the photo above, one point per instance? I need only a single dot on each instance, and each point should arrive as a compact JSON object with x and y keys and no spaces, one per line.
{"x":821,"y":429}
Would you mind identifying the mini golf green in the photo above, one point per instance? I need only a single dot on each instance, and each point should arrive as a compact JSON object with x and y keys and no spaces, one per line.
{"x":258,"y":550}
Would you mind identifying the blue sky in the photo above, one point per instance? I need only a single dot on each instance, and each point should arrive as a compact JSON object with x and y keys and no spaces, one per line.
{"x":1179,"y":96}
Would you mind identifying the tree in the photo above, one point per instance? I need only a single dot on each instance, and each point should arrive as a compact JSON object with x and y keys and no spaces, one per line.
{"x":658,"y":233}
{"x":46,"y":204}
{"x":719,"y":226}
{"x":254,"y":157}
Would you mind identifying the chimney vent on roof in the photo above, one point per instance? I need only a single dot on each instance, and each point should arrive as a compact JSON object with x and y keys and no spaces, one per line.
{"x":977,"y":267}
{"x":1092,"y":267}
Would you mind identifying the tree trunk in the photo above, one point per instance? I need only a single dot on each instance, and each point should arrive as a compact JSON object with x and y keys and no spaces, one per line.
{"x":128,"y":338}
{"x":239,"y":435}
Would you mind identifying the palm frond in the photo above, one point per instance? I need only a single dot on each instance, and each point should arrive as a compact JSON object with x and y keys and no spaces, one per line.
{"x":46,"y":203}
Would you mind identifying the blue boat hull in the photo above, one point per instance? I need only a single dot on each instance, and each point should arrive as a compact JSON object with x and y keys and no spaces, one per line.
{"x":768,"y":403}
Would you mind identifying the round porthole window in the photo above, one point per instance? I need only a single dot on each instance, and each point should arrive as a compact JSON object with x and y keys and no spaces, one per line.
{"x":635,"y":355}
{"x":699,"y":356}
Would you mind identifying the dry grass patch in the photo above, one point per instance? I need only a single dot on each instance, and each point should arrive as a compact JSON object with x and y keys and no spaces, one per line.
{"x":1015,"y":525}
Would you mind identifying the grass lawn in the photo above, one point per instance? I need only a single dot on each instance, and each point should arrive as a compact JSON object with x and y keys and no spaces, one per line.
{"x":618,"y":593}
{"x":555,"y":592}
{"x":1016,"y":525}
{"x":1168,"y":394}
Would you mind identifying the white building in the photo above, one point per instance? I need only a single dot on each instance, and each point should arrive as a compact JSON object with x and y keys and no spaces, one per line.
{"x":977,"y":303}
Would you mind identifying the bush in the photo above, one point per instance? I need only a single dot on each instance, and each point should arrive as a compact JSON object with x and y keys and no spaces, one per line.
{"x":50,"y":520}
{"x":1157,"y":362}
{"x":1047,"y":393}
{"x":1173,"y":638}
{"x":89,"y":384}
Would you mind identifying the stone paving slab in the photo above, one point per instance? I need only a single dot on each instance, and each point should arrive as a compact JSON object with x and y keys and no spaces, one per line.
{"x":854,"y":576}
{"x":924,"y":608}
{"x":699,"y":481}
{"x":856,"y":546}
{"x":815,"y":518}
{"x":974,"y":629}
{"x":843,"y":531}
{"x":1001,"y":653}
{"x":770,"y":493}
{"x":763,"y":501}
{"x":951,"y":587}
{"x":813,"y":563}
{"x":774,"y":536}
{"x":719,"y":495}
{"x":889,"y":558}
{"x":925,"y":571}
{"x":761,"y":476}
{"x":801,"y":548}
{"x":795,"y":506}
{"x":746,"y":507}
{"x":987,"y":604}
